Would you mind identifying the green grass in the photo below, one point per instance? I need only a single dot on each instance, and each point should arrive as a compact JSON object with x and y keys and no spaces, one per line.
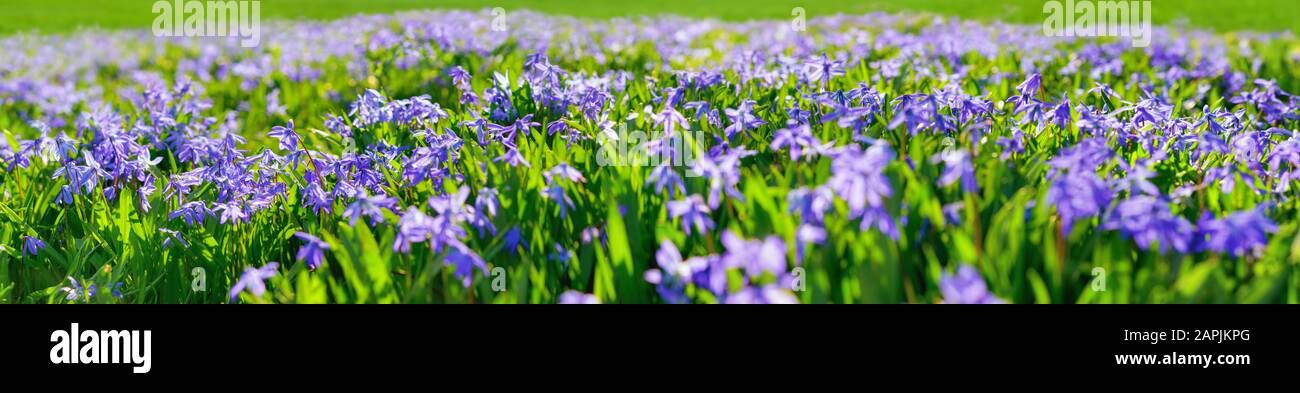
{"x":68,"y":15}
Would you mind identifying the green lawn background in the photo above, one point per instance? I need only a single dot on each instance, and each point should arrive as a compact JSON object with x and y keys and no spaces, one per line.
{"x":57,"y":16}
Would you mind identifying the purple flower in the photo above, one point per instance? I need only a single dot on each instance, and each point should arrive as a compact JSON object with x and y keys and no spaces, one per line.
{"x":671,"y":288}
{"x":1013,"y":145}
{"x":798,"y":138}
{"x":286,"y":135}
{"x":556,"y":193}
{"x":671,"y":263}
{"x":966,"y":287}
{"x":664,"y":176}
{"x":723,"y":172}
{"x":172,"y":235}
{"x":858,"y":178}
{"x":811,"y":204}
{"x":1077,"y":196}
{"x":413,"y":227}
{"x":74,"y":291}
{"x":952,"y":213}
{"x":575,"y":297}
{"x":564,"y":171}
{"x":1060,"y":116}
{"x":312,"y":250}
{"x":273,"y":106}
{"x":1241,"y":233}
{"x":754,"y":256}
{"x":252,"y":279}
{"x":464,"y":260}
{"x":561,"y":255}
{"x":513,"y":239}
{"x":823,"y":69}
{"x":231,"y":212}
{"x":485,"y":207}
{"x":338,"y":125}
{"x":742,"y":119}
{"x":193,"y":213}
{"x":32,"y":245}
{"x":670,"y":120}
{"x":1147,"y":220}
{"x":767,"y":294}
{"x":703,"y":113}
{"x":460,"y":78}
{"x":693,"y":212}
{"x":369,"y":206}
{"x":1031,"y":85}
{"x":512,"y":157}
{"x":956,"y":166}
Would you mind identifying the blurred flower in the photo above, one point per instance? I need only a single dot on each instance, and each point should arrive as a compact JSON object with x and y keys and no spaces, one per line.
{"x":564,"y":171}
{"x":966,"y":287}
{"x":575,"y":297}
{"x":252,"y":280}
{"x":369,"y":206}
{"x":693,"y":212}
{"x":754,"y":256}
{"x":556,"y":193}
{"x":312,"y":250}
{"x":1147,"y":220}
{"x":767,"y":294}
{"x":32,"y":245}
{"x":74,"y":291}
{"x":513,"y":239}
{"x":172,"y":235}
{"x":1239,"y":234}
{"x":956,"y":166}
{"x":464,"y":261}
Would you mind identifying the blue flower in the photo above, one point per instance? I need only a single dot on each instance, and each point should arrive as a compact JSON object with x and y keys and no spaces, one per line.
{"x":172,"y":235}
{"x":664,"y":176}
{"x":32,"y":245}
{"x":766,"y":294}
{"x":823,"y":69}
{"x":956,"y":166}
{"x":1077,"y":196}
{"x":286,"y":135}
{"x":754,"y":256}
{"x":858,"y":178}
{"x":742,"y":119}
{"x":575,"y":297}
{"x":966,"y":287}
{"x":693,"y":212}
{"x":798,"y":138}
{"x":1239,"y":234}
{"x":556,"y":193}
{"x":1147,"y":220}
{"x":312,"y":250}
{"x":464,"y":261}
{"x":252,"y":280}
{"x":74,"y":291}
{"x":513,"y":239}
{"x":369,"y":206}
{"x":564,"y":171}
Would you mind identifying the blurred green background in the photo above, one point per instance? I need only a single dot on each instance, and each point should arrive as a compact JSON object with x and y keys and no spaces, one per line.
{"x":58,"y":16}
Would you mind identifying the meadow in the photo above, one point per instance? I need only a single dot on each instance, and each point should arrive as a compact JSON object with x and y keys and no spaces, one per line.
{"x":453,"y":156}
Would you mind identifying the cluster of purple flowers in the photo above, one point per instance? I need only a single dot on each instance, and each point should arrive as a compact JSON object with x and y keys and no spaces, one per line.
{"x":765,"y":272}
{"x":792,"y":97}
